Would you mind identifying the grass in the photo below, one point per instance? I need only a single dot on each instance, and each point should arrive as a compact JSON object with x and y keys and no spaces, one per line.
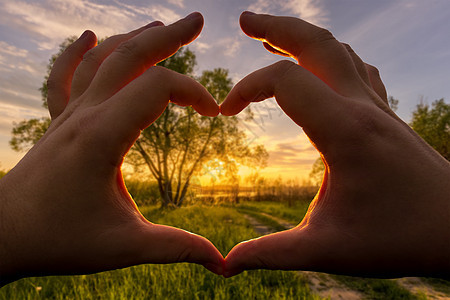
{"x":293,"y":214}
{"x":223,"y":226}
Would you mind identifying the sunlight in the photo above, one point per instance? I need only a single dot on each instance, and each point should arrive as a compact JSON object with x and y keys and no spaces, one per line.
{"x":212,"y":172}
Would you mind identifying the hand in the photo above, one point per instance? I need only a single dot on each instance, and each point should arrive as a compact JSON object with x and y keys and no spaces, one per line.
{"x":384,"y":205}
{"x":64,"y":208}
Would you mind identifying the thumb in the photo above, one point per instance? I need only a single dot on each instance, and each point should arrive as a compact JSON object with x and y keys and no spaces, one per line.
{"x":166,"y":244}
{"x":287,"y":250}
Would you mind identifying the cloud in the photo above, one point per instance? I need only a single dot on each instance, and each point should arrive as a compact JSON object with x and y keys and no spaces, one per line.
{"x":179,"y":3}
{"x":229,"y":46}
{"x":292,"y":154}
{"x":14,"y":59}
{"x":201,"y":47}
{"x":51,"y":21}
{"x":7,"y":49}
{"x":310,"y":10}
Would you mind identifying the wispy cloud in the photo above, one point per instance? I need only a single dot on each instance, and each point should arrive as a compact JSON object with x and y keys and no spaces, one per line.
{"x":310,"y":10}
{"x":200,"y":47}
{"x":292,"y":154}
{"x":229,"y":46}
{"x":7,"y":49}
{"x":50,"y":21}
{"x":179,"y":3}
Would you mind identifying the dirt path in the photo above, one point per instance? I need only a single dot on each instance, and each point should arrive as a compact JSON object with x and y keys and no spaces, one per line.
{"x":284,"y":223}
{"x":417,"y":287}
{"x":258,"y":226}
{"x":325,"y":286}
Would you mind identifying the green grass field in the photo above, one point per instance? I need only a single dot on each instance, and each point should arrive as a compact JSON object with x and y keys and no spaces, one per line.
{"x":224,"y":226}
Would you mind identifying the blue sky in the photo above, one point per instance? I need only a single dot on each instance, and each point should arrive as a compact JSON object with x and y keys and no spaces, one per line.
{"x":408,"y":41}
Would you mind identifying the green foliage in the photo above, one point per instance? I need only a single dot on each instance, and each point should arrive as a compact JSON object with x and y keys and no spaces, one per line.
{"x":433,"y":125}
{"x":26,"y":133}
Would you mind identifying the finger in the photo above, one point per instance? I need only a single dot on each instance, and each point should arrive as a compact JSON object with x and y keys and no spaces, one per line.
{"x":142,"y":101}
{"x":275,"y":51}
{"x":376,"y":82}
{"x":60,"y":78}
{"x":315,"y":49}
{"x":308,"y":101}
{"x":359,"y":64}
{"x":165,"y":244}
{"x":93,"y":58}
{"x":135,"y":56}
{"x":287,"y":250}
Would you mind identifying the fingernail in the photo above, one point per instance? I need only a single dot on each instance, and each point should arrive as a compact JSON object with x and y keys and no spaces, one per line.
{"x":84,"y":35}
{"x":248,"y":13}
{"x":154,"y":24}
{"x":193,"y":16}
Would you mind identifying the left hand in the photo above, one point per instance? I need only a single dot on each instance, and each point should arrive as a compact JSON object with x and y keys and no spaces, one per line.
{"x":64,"y":208}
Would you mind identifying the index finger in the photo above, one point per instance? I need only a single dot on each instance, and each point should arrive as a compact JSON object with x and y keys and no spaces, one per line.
{"x":133,"y":57}
{"x":315,"y":49}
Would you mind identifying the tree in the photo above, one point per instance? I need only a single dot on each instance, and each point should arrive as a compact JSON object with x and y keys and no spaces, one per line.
{"x":317,"y":170}
{"x":433,"y":125}
{"x":182,"y":144}
{"x":26,"y":133}
{"x":393,"y":103}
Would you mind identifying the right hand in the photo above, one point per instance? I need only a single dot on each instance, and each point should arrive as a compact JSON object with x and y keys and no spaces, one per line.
{"x":384,"y":205}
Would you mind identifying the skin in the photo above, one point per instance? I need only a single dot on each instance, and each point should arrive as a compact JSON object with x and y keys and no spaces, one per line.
{"x":383,"y":209}
{"x":64,"y":208}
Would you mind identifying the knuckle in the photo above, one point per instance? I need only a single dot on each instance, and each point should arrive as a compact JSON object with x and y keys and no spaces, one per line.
{"x":373,"y":71}
{"x":284,"y":68}
{"x":323,"y":35}
{"x":348,"y":48}
{"x":368,"y":124}
{"x":160,"y":74}
{"x":92,"y":57}
{"x":130,"y":49}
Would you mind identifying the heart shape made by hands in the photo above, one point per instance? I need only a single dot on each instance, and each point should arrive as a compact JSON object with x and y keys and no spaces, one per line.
{"x":369,"y":217}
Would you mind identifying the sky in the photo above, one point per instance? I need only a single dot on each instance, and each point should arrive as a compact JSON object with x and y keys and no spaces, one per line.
{"x":407,"y":40}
